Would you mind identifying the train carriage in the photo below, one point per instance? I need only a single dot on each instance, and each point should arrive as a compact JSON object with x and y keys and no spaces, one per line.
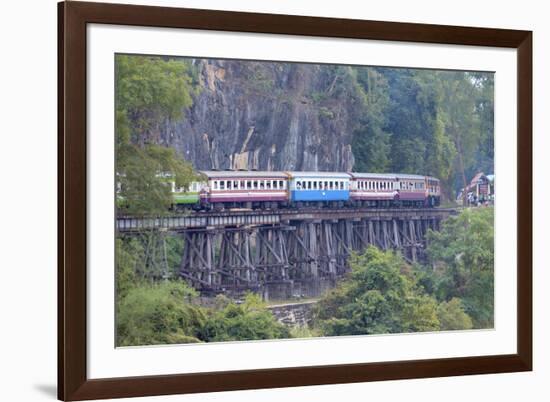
{"x":318,"y":187}
{"x":433,"y":191}
{"x":185,"y":197}
{"x":411,"y":189}
{"x":373,"y":189}
{"x":244,"y":189}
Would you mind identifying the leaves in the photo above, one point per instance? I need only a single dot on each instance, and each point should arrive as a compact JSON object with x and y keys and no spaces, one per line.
{"x":247,"y":321}
{"x":150,"y":90}
{"x":462,"y":253}
{"x":452,"y":316}
{"x":431,"y":122}
{"x":158,"y":314}
{"x":379,"y":296}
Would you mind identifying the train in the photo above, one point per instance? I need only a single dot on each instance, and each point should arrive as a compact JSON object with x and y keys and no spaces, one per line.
{"x":222,"y":190}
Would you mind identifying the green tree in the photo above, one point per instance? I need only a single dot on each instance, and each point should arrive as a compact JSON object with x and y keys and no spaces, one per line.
{"x":381,"y":295}
{"x":158,"y":314}
{"x":462,"y":256}
{"x":452,"y":316}
{"x":149,"y":90}
{"x":249,"y":320}
{"x":430,"y":122}
{"x":371,"y":142}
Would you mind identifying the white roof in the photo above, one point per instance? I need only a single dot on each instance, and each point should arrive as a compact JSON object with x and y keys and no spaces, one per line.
{"x":322,"y":175}
{"x":231,"y":174}
{"x":409,"y":177}
{"x":386,"y":176}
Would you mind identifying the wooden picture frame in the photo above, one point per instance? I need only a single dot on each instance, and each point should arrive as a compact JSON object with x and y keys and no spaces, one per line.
{"x":73,"y":382}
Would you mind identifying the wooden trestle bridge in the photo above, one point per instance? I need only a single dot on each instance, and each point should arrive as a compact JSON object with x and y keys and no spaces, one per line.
{"x":288,"y":249}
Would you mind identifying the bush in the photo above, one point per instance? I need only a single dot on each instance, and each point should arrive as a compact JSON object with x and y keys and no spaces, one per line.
{"x":380,"y":296}
{"x":462,"y":258}
{"x":158,"y":314}
{"x":250,"y":320}
{"x":451,"y":315}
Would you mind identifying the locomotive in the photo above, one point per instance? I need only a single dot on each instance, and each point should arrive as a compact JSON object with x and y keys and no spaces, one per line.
{"x":272,"y":190}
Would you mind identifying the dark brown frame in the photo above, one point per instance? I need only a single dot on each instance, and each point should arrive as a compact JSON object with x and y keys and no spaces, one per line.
{"x":73,"y":383}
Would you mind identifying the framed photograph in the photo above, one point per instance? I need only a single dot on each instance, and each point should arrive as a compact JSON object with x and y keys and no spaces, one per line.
{"x":254,"y":201}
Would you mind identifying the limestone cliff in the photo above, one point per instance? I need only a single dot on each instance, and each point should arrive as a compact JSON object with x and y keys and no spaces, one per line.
{"x":268,"y":116}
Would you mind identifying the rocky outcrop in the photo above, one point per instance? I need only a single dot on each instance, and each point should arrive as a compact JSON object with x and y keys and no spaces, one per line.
{"x":293,"y":314}
{"x":268,"y":116}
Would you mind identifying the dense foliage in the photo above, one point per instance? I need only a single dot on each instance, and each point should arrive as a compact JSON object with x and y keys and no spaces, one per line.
{"x":168,"y":312}
{"x":246,"y":321}
{"x":431,"y":122}
{"x":384,"y":294}
{"x":154,"y":310}
{"x":380,"y":296}
{"x":149,"y":90}
{"x":462,"y":260}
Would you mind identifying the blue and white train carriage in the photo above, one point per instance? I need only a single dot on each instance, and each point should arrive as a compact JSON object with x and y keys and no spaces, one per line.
{"x":315,"y":187}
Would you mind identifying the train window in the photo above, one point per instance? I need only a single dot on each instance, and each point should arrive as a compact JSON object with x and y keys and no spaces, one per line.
{"x":341,"y":185}
{"x":281,"y":184}
{"x":236,"y":185}
{"x":315,"y":185}
{"x":215,"y":185}
{"x":222,"y":185}
{"x":268,"y":184}
{"x":255,"y":184}
{"x":309,"y":185}
{"x":262,"y":184}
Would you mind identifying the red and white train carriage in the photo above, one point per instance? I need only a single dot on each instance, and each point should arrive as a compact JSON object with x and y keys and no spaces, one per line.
{"x":245,"y":188}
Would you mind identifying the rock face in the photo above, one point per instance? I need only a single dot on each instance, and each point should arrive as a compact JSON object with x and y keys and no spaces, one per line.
{"x":268,"y":116}
{"x":293,"y":314}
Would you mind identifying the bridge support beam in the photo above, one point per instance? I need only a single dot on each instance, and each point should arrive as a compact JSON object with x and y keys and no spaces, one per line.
{"x":293,"y":252}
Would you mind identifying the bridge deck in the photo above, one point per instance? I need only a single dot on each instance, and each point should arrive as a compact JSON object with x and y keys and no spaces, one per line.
{"x":222,"y":219}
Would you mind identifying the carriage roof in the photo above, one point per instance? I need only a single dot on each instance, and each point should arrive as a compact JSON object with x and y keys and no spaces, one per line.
{"x":410,"y":177}
{"x":318,"y":175}
{"x":240,"y":174}
{"x":386,"y":176}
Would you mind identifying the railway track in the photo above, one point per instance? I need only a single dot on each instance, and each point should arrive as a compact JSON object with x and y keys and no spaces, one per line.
{"x":242,"y":217}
